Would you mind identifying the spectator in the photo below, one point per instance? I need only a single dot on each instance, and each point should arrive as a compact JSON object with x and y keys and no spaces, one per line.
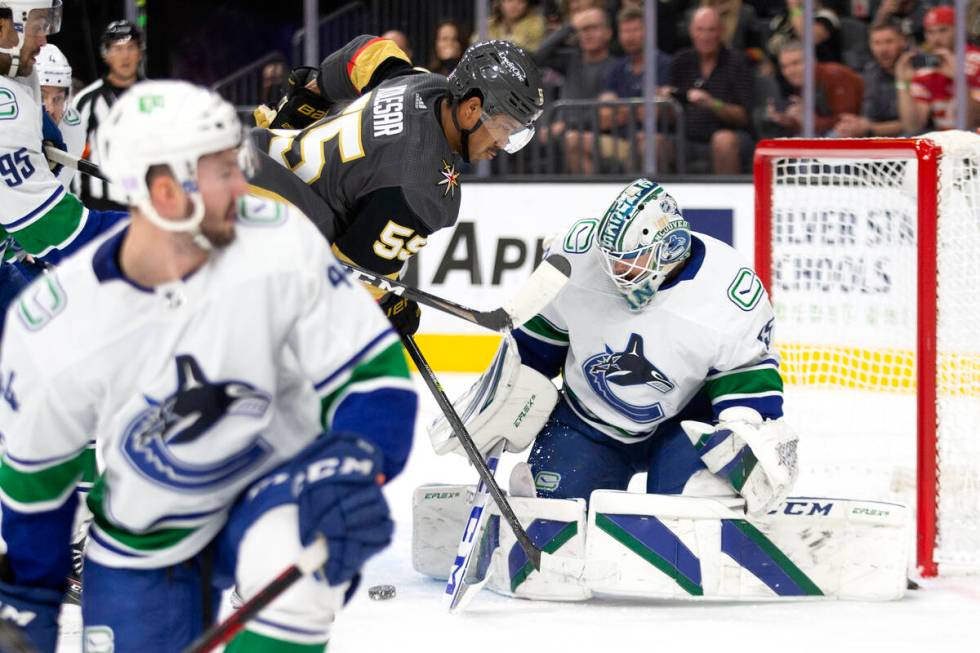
{"x":908,"y":13}
{"x":715,"y":83}
{"x":739,"y":26}
{"x":789,"y":27}
{"x":122,"y":51}
{"x":448,"y":46}
{"x":400,"y":40}
{"x":879,"y":109}
{"x":626,"y":81}
{"x":514,"y":21}
{"x":925,"y":82}
{"x":838,"y":91}
{"x":273,"y":78}
{"x":584,"y":67}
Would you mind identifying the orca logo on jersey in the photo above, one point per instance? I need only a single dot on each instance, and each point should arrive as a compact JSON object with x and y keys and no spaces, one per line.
{"x":627,"y":368}
{"x":196,"y":407}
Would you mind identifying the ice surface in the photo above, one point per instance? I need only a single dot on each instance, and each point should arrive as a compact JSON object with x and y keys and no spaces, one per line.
{"x":943,"y":616}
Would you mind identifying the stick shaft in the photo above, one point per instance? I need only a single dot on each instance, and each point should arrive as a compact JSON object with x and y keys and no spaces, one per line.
{"x":64,"y":158}
{"x":532,"y":551}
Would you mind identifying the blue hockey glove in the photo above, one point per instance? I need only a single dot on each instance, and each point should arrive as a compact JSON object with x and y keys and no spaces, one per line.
{"x":35,"y":611}
{"x":51,"y":135}
{"x":337,"y":486}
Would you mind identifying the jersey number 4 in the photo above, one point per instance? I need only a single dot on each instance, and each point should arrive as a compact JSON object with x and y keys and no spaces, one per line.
{"x":15,"y":167}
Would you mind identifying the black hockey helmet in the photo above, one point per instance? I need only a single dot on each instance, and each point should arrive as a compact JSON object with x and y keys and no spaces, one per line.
{"x":507,"y":81}
{"x":120,"y":30}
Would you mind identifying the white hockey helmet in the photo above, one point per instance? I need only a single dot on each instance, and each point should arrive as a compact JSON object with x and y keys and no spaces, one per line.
{"x":171,"y":123}
{"x":641,"y":239}
{"x":28,"y":15}
{"x":52,"y":67}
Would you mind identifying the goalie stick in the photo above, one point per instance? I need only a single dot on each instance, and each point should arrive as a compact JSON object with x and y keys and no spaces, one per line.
{"x":71,"y":161}
{"x":532,"y":551}
{"x":465,"y":580}
{"x":540,"y":288}
{"x":309,"y":560}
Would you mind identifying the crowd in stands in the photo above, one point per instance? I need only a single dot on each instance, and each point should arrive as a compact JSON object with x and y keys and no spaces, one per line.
{"x":734,"y":69}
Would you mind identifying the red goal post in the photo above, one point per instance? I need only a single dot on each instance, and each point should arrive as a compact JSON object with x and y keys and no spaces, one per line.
{"x":846,"y":239}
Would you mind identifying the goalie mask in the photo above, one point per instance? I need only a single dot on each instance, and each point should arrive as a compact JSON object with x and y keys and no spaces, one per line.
{"x":642,"y":238}
{"x":168,"y":123}
{"x":30,"y":18}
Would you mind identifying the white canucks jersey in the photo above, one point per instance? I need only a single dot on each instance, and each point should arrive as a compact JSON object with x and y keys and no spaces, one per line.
{"x":192,"y":389}
{"x":35,"y":208}
{"x":625,"y":372}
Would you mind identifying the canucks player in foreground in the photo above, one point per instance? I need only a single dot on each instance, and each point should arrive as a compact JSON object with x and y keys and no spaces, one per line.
{"x":231,"y":374}
{"x":383,"y":153}
{"x":38,"y":217}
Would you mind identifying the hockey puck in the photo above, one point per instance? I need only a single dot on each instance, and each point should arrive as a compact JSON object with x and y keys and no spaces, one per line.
{"x":381,"y":592}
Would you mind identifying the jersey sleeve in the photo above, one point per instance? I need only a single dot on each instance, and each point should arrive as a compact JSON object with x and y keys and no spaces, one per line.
{"x":43,"y":218}
{"x":384,"y":232}
{"x":359,"y":66}
{"x":351,"y":354}
{"x":47,"y":422}
{"x":746,"y":372}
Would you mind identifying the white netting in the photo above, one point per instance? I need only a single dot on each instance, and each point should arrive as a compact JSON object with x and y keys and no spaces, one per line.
{"x":958,"y":345}
{"x":844,"y":266}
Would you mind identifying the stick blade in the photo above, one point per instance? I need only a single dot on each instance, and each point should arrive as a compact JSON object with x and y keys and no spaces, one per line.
{"x":542,"y":286}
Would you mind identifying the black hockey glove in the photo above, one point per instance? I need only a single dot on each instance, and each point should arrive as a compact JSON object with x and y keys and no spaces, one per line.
{"x":404,"y":314}
{"x":300,"y":106}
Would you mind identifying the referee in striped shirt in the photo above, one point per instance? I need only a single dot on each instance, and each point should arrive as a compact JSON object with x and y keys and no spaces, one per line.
{"x":122,"y":51}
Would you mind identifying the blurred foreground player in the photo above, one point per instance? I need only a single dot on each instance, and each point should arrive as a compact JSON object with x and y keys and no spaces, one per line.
{"x":231,"y":375}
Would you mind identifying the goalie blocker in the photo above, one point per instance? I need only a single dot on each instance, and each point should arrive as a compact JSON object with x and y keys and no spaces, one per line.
{"x":675,"y":547}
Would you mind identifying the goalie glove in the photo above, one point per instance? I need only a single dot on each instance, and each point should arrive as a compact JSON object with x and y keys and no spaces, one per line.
{"x":758,"y":457}
{"x":509,"y":401}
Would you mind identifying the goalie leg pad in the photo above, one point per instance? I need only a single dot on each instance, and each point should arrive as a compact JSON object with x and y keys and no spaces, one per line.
{"x":679,"y":547}
{"x":439,"y":512}
{"x":557,"y":526}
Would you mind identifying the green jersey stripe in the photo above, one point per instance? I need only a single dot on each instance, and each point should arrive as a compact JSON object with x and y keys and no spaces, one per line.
{"x":539,"y":326}
{"x":163,"y":538}
{"x":251,"y":642}
{"x":766,"y":380}
{"x":389,"y":362}
{"x":36,"y":485}
{"x":56,"y":227}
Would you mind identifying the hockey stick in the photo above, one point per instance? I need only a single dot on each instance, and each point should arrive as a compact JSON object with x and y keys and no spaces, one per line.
{"x":540,"y":288}
{"x":309,"y":560}
{"x":464,"y":581}
{"x":71,"y":161}
{"x":532,"y":551}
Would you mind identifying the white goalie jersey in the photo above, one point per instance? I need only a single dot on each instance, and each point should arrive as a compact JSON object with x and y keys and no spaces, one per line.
{"x":625,"y":372}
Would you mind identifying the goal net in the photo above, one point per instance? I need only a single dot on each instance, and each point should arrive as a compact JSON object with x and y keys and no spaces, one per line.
{"x":870,"y":249}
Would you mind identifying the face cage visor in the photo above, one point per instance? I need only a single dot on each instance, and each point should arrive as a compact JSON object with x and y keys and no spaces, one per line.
{"x":507,"y":130}
{"x":649,"y":264}
{"x":45,"y":21}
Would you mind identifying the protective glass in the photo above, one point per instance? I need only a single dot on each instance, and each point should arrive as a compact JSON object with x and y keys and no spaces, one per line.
{"x":508,"y":130}
{"x":43,"y":21}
